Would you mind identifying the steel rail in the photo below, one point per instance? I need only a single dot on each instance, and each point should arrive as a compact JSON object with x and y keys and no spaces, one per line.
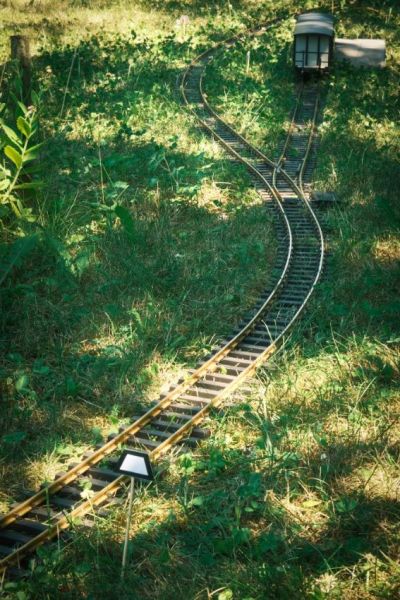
{"x":274,"y":165}
{"x":274,"y":193}
{"x":309,"y":144}
{"x":279,"y":163}
{"x":63,"y":521}
{"x":298,"y":189}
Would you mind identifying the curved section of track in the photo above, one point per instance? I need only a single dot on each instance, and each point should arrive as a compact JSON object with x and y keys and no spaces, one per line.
{"x":305,"y":251}
{"x":176,"y":415}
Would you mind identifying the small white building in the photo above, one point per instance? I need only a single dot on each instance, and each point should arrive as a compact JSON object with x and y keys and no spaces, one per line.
{"x":361,"y":52}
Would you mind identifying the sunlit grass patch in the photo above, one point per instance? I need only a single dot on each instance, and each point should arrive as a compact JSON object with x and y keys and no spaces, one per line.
{"x":387,"y":250}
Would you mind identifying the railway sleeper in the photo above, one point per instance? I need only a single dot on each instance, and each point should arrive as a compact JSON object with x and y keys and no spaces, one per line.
{"x":277,"y":320}
{"x":73,"y":491}
{"x":200,"y":399}
{"x":277,"y":317}
{"x":302,"y":268}
{"x":239,"y":364}
{"x":216,"y":386}
{"x":172,"y":426}
{"x":102,"y":473}
{"x":42,"y":513}
{"x":268,"y":331}
{"x":96,"y":484}
{"x":300,"y":293}
{"x":294,"y":285}
{"x":29,"y":525}
{"x":248,"y":355}
{"x":5,"y":550}
{"x":195,"y":433}
{"x":63,"y":502}
{"x":301,"y":264}
{"x":260,"y":342}
{"x":307,"y":278}
{"x":296,"y":299}
{"x":230,"y":370}
{"x":216,"y":376}
{"x":308,"y":261}
{"x":181,"y":411}
{"x":254,"y":348}
{"x":187,"y":442}
{"x":11,"y":536}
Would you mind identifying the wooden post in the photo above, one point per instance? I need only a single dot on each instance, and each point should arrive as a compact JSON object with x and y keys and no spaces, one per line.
{"x":20,"y":52}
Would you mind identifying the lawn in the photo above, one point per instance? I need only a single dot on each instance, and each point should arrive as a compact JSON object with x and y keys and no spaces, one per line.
{"x":145,"y":247}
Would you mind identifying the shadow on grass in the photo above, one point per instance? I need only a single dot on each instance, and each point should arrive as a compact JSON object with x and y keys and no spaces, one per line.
{"x":227,"y":526}
{"x":91,"y":313}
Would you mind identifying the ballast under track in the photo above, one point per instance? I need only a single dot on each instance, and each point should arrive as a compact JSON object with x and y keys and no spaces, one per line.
{"x":175,"y":417}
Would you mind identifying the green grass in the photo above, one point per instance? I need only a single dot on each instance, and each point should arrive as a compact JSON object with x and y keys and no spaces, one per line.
{"x":257,"y":102}
{"x":150,"y":247}
{"x":295,"y":494}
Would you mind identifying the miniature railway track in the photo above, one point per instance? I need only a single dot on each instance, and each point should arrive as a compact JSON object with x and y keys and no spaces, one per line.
{"x":176,"y":415}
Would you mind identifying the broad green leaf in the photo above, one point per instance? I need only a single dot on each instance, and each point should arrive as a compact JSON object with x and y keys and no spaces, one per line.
{"x":17,"y":202}
{"x":13,"y":155}
{"x":27,"y":157}
{"x":5,"y":172}
{"x":225,"y":595}
{"x":71,"y":386}
{"x":4,"y":183}
{"x":83,"y":568}
{"x":23,"y":108}
{"x":197,"y":501}
{"x":31,"y":153}
{"x":10,"y":585}
{"x":126,"y":219}
{"x":39,"y":368}
{"x":14,"y":438}
{"x":24,"y":126}
{"x":15,"y":357}
{"x":29,"y":185}
{"x":35,"y":98}
{"x":241,"y":535}
{"x":18,"y":250}
{"x":61,"y":250}
{"x":346,"y":505}
{"x":12,"y":135}
{"x":82,"y":261}
{"x":28,"y":215}
{"x":97,"y":435}
{"x":22,"y":383}
{"x":122,"y":185}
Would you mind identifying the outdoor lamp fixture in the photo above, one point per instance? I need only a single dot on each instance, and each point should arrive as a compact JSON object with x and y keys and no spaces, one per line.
{"x":134,"y":464}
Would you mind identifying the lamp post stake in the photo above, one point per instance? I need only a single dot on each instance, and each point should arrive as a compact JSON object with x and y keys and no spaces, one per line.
{"x":133,"y":463}
{"x":128,"y":523}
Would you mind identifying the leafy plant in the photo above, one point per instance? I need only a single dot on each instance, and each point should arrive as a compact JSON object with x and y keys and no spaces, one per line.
{"x":10,"y":257}
{"x":19,"y":151}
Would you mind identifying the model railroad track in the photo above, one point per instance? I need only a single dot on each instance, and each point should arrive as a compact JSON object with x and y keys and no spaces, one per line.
{"x":174,"y":418}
